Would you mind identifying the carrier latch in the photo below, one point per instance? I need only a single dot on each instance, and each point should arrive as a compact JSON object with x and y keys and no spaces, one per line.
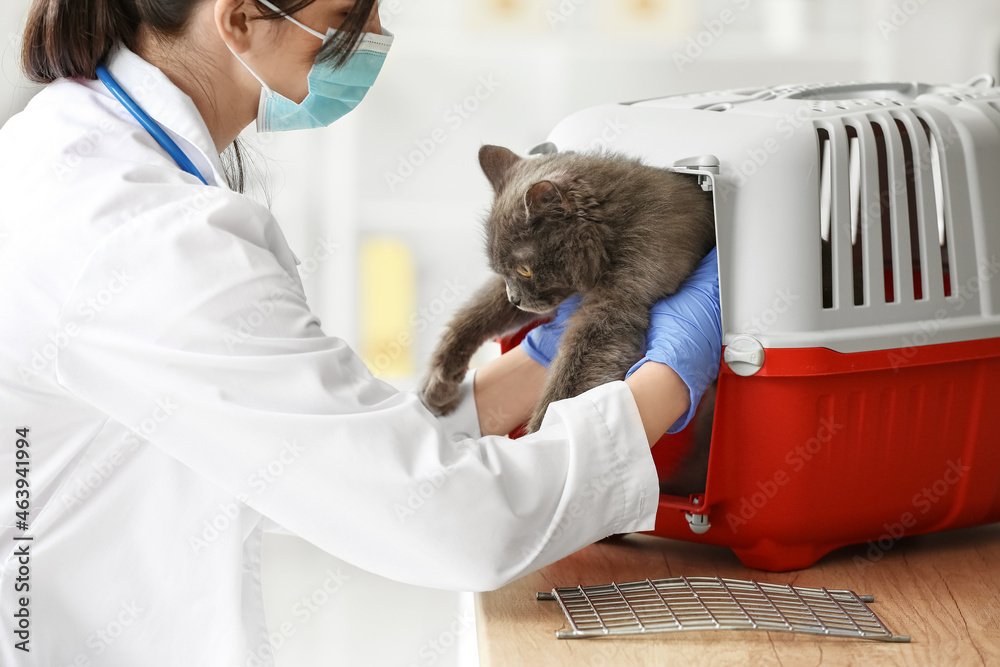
{"x":701,"y":163}
{"x":544,"y":148}
{"x":744,"y":355}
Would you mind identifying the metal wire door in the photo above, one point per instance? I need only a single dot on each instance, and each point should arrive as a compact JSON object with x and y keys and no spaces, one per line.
{"x":713,"y":603}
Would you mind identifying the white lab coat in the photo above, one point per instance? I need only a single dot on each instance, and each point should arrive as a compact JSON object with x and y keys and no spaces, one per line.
{"x":164,"y":434}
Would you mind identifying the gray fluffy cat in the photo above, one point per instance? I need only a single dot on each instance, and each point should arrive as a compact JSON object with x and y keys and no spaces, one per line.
{"x":620,"y":233}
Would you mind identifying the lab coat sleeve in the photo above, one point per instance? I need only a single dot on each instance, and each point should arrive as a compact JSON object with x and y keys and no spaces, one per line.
{"x":189,"y":330}
{"x":463,"y":421}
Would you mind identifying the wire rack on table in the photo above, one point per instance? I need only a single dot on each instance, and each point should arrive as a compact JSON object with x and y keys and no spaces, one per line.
{"x":714,"y":603}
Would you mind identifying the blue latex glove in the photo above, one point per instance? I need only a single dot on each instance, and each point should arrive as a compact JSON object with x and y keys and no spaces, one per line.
{"x":542,"y":342}
{"x":685,"y":333}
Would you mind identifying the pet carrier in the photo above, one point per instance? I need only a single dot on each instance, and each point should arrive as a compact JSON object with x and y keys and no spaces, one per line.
{"x":858,"y":230}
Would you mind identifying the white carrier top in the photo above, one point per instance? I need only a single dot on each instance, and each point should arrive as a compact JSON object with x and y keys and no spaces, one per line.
{"x":850,"y":216}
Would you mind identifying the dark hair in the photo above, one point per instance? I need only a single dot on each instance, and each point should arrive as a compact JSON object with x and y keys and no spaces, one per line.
{"x":70,"y":38}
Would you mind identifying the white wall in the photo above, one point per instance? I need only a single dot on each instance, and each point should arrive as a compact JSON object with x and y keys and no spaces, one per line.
{"x":549,"y":58}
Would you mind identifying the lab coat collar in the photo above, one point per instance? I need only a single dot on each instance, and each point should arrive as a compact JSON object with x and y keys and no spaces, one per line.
{"x":169,"y":106}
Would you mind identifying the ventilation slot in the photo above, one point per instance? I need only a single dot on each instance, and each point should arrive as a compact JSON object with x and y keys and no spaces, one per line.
{"x":825,"y":213}
{"x":938,"y":178}
{"x":857,"y":234}
{"x":830,"y":235}
{"x":908,"y":177}
{"x":911,"y":206}
{"x":885,"y":211}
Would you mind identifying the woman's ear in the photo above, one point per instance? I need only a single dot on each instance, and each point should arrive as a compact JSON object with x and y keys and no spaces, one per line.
{"x":497,"y":162}
{"x":234,"y":19}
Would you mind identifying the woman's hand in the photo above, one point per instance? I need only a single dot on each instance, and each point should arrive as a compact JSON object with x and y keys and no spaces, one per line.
{"x":508,"y":388}
{"x":542,"y":342}
{"x":506,"y":391}
{"x":685,"y":334}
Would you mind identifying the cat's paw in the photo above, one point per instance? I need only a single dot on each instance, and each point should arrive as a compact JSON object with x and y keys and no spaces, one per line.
{"x":440,"y":393}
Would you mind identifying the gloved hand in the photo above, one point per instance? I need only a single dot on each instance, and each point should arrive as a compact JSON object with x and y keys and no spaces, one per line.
{"x":685,"y":333}
{"x":542,"y":342}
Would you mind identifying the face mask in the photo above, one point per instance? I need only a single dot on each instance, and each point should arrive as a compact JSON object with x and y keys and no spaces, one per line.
{"x":332,"y":91}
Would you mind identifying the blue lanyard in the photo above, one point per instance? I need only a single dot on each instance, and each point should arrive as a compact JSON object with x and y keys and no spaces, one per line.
{"x":147,"y":122}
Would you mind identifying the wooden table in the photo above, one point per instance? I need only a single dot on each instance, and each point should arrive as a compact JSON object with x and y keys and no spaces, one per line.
{"x":943,"y":590}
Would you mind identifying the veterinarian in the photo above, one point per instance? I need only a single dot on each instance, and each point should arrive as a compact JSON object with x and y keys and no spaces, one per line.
{"x":147,"y":440}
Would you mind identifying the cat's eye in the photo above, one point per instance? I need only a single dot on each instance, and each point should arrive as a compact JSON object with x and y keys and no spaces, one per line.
{"x":524,"y":271}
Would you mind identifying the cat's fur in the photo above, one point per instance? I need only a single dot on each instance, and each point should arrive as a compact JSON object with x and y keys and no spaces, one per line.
{"x":620,"y":233}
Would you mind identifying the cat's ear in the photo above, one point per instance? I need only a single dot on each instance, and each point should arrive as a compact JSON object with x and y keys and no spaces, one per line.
{"x":542,"y":195}
{"x":497,"y":162}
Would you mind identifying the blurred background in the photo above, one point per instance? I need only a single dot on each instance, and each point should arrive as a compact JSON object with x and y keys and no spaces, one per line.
{"x":384,"y":208}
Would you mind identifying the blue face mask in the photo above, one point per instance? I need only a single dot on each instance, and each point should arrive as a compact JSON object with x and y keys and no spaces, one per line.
{"x":333,"y":91}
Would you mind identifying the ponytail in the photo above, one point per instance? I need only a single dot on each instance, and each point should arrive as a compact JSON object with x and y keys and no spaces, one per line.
{"x":69,"y":38}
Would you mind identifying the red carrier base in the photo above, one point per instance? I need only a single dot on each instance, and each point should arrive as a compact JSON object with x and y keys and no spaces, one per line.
{"x":820,"y":450}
